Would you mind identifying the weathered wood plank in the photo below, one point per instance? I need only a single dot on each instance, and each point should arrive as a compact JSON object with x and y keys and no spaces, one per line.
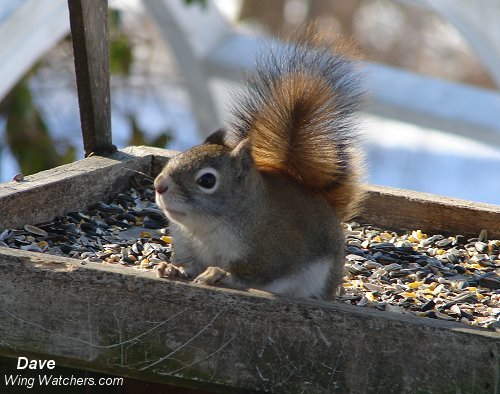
{"x":75,"y":186}
{"x":89,"y":32}
{"x":407,"y":209}
{"x":126,"y":322}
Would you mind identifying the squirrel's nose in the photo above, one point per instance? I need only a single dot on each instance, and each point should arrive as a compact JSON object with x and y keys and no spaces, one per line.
{"x":160,"y":189}
{"x":162,"y":183}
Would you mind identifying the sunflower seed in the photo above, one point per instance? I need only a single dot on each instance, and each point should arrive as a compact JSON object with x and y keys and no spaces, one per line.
{"x":35,"y":230}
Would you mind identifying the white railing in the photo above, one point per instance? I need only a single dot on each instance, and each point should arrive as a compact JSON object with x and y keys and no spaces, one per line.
{"x":26,"y":33}
{"x":477,"y":21}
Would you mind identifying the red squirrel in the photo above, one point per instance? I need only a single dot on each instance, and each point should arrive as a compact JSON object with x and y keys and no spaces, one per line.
{"x":260,"y":203}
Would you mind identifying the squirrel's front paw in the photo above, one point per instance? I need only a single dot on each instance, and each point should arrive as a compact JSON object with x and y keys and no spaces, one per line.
{"x":214,"y":275}
{"x":170,"y":271}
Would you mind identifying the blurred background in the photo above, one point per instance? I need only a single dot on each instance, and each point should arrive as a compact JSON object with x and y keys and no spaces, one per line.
{"x":152,"y":103}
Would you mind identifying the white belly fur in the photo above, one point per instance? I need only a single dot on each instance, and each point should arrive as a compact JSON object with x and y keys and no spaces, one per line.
{"x":307,"y":282}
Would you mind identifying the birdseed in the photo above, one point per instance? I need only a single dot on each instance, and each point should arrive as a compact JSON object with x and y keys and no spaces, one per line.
{"x":447,"y":278}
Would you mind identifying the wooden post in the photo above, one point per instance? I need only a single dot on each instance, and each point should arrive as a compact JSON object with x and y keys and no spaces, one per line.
{"x":89,"y":30}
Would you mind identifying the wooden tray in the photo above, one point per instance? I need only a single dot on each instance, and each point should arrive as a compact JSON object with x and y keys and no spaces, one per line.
{"x":130,"y":323}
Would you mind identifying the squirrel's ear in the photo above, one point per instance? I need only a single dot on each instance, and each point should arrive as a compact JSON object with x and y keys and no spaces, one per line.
{"x":243,"y":152}
{"x":216,"y":138}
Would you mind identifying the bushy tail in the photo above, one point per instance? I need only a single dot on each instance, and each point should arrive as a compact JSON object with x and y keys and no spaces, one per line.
{"x":299,"y":112}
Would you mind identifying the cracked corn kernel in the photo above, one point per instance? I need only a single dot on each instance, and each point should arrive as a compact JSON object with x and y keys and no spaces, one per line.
{"x":357,"y":283}
{"x":415,"y":285}
{"x":418,"y":235}
{"x":43,"y":245}
{"x":411,"y":238}
{"x":386,"y":236}
{"x":166,"y":239}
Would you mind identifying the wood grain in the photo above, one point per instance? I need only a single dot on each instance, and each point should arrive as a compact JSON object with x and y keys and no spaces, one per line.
{"x":89,"y":33}
{"x":406,"y":209}
{"x":130,"y":323}
{"x":43,"y":196}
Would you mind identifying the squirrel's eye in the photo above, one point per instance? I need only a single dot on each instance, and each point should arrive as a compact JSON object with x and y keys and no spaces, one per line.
{"x":206,"y":180}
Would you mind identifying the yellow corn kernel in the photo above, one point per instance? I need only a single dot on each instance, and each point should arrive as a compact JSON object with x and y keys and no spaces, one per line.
{"x":411,"y":238}
{"x":43,"y":244}
{"x":166,"y":239}
{"x":415,"y":285}
{"x":420,"y":234}
{"x":357,"y":283}
{"x":369,"y":296}
{"x":386,"y":236}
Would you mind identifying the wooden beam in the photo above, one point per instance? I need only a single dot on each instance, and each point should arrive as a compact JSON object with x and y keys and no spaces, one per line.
{"x":75,"y":186}
{"x":410,"y":210}
{"x":127,"y":322}
{"x":89,"y":31}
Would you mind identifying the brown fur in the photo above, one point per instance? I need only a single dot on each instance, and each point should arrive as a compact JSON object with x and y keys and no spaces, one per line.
{"x":288,"y":170}
{"x":301,"y":147}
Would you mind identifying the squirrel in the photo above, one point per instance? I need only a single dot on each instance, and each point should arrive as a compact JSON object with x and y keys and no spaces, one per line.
{"x":259,"y":204}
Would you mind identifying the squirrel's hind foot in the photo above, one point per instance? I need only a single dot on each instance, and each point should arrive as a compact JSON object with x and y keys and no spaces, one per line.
{"x":214,"y":275}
